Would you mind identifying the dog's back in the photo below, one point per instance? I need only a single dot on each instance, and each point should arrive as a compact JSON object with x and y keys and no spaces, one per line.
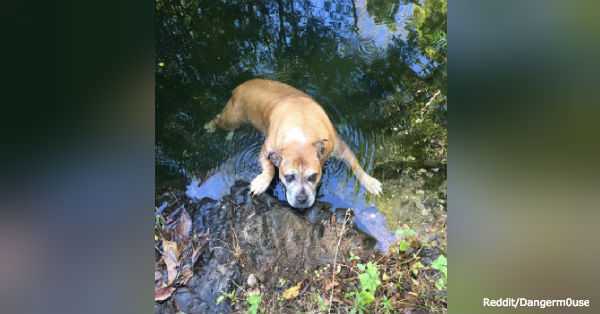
{"x":261,"y":89}
{"x":261,"y":94}
{"x":265,"y":100}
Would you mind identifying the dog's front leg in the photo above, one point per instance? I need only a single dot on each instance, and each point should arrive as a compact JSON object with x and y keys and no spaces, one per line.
{"x":263,"y":180}
{"x":343,"y":152}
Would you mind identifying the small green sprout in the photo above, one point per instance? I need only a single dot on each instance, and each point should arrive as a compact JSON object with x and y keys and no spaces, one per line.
{"x":253,"y":300}
{"x":441,"y":264}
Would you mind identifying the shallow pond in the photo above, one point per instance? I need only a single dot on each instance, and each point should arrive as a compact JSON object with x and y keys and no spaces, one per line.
{"x":351,"y":56}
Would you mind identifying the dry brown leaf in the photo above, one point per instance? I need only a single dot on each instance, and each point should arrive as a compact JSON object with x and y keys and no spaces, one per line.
{"x":330,"y":284}
{"x":196,"y":253}
{"x":292,"y":292}
{"x":163,"y":293}
{"x":186,"y":264}
{"x":183,"y":226}
{"x":170,"y":256}
{"x":199,"y":243}
{"x":186,"y":275}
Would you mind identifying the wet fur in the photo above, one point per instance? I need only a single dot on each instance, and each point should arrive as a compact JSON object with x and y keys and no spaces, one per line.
{"x":299,"y":137}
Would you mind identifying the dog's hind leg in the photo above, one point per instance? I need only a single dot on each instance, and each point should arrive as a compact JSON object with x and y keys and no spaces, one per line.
{"x":229,"y":119}
{"x":342,"y":151}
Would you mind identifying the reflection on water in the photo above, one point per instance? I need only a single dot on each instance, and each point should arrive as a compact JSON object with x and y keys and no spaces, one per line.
{"x":354,"y":57}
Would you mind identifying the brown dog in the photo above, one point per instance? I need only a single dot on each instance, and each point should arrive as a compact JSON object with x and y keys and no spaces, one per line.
{"x":299,"y":138}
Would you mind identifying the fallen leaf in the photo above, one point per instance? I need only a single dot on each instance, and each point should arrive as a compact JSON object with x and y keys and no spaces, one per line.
{"x":163,"y":293}
{"x":330,"y":284}
{"x":170,"y":256}
{"x":199,"y":242}
{"x":183,"y":227}
{"x":170,"y":219}
{"x":186,"y":275}
{"x":191,"y":250}
{"x":292,"y":292}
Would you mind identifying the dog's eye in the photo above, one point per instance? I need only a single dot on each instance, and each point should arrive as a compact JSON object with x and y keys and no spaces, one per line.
{"x":289,"y":177}
{"x":312,"y":178}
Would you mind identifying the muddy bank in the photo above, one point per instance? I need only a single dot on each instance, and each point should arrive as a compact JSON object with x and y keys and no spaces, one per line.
{"x":253,"y":237}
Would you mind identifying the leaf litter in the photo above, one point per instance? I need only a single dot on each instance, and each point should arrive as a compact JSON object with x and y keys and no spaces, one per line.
{"x":179,"y":251}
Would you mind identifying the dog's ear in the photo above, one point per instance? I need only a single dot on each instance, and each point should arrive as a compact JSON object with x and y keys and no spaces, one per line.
{"x":275,"y":157}
{"x":320,"y":148}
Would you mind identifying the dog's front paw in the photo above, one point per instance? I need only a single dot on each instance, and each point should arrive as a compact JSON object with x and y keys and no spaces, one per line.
{"x":210,"y":127}
{"x":260,"y":184}
{"x":372,"y":185}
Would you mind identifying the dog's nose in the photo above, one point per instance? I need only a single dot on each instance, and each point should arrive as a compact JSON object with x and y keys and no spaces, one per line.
{"x":301,"y":198}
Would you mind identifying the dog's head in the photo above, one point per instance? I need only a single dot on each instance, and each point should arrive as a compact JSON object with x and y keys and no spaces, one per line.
{"x":300,"y":171}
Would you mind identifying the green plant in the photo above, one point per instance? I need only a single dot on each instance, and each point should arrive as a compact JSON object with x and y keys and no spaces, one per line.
{"x":319,"y":302}
{"x":386,"y":305}
{"x":228,"y":295}
{"x":354,"y":257}
{"x":441,"y":264}
{"x":369,"y":281}
{"x":405,"y":233}
{"x":403,"y":246}
{"x":253,"y":299}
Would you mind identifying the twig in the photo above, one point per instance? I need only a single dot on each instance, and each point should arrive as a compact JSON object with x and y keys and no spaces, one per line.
{"x":337,"y":249}
{"x":237,"y":250}
{"x":412,"y":259}
{"x":429,"y":102}
{"x":432,"y":98}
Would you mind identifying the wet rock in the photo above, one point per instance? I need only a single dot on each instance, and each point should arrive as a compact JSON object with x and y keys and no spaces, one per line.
{"x":260,"y":239}
{"x":199,"y":225}
{"x":164,"y":308}
{"x":201,"y":293}
{"x":370,"y":220}
{"x":251,"y":281}
{"x":239,"y":192}
{"x":429,"y":254}
{"x":276,"y":241}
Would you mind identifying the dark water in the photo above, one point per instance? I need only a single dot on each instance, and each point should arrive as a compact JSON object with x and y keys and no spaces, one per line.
{"x":354,"y":58}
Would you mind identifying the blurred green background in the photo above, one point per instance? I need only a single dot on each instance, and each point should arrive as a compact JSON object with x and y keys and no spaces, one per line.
{"x":523,"y":177}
